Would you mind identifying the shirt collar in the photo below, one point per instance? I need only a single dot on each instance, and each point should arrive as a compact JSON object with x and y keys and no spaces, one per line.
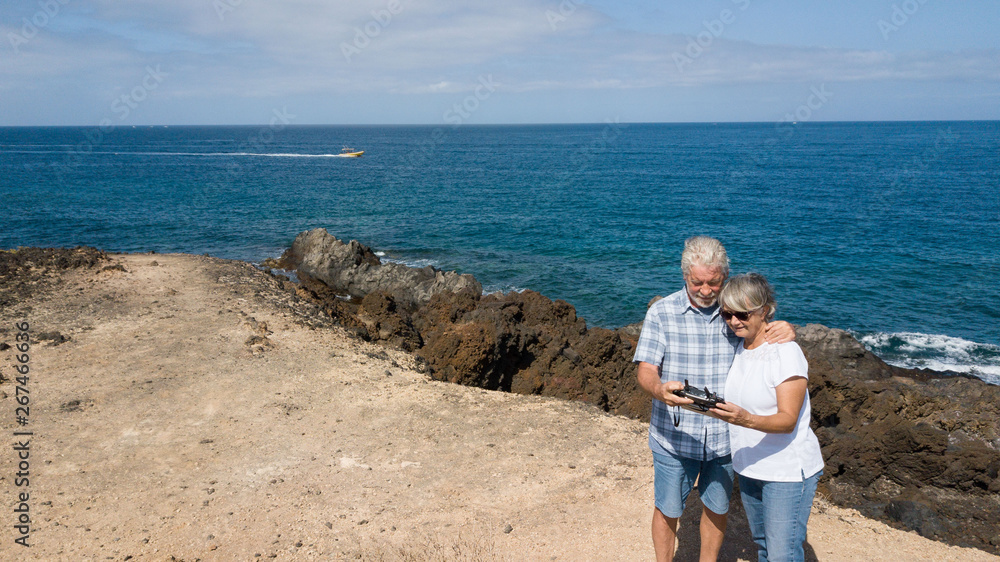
{"x":684,"y":306}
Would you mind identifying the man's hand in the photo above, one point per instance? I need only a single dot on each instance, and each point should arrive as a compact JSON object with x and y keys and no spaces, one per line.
{"x":779,"y":332}
{"x":649,"y":380}
{"x":668,"y":397}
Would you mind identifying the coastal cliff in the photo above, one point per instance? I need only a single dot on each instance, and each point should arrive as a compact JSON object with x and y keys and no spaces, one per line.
{"x":917,"y":449}
{"x":189,"y":407}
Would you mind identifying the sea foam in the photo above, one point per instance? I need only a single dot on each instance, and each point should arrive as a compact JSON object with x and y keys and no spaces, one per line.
{"x":913,"y":350}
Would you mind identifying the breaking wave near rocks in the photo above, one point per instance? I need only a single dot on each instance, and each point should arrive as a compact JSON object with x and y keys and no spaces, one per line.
{"x":914,"y":350}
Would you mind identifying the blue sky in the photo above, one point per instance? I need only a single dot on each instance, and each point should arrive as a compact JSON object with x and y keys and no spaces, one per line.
{"x":78,"y":62}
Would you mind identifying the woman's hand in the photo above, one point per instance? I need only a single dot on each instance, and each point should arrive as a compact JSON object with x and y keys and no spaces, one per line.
{"x":731,"y":413}
{"x":791,"y":394}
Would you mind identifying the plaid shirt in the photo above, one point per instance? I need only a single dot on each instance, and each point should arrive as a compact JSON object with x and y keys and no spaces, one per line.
{"x":694,"y":344}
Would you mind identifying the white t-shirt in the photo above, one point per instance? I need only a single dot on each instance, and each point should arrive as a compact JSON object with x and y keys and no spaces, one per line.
{"x":752,"y":383}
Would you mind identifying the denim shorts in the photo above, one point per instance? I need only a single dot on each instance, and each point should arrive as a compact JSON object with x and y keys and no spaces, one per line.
{"x":778,"y":513}
{"x":673,"y":478}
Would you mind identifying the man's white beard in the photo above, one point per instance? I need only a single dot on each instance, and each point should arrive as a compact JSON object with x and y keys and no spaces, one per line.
{"x":702,"y":302}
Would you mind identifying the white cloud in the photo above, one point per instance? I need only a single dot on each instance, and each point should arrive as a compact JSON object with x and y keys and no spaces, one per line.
{"x":260,"y":49}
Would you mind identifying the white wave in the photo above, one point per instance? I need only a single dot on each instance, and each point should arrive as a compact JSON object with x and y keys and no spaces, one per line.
{"x":505,"y":289}
{"x":914,"y":341}
{"x":913,"y":350}
{"x":990,"y":374}
{"x":414,"y":263}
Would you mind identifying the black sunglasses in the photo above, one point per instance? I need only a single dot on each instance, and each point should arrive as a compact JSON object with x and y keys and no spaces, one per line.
{"x":741,"y":316}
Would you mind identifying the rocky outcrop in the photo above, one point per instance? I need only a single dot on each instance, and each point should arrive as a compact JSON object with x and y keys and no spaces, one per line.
{"x":917,"y":449}
{"x":326,"y":264}
{"x":26,"y":271}
{"x":527,"y":343}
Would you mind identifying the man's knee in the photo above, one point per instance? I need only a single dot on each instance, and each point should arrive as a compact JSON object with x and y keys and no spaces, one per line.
{"x":713,"y":515}
{"x":660,"y":517}
{"x":717,"y":519}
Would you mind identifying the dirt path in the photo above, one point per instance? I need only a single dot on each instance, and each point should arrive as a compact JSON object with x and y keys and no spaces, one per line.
{"x":198,"y":411}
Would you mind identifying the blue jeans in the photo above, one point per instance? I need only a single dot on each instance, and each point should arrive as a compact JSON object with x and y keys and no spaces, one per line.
{"x":778,"y":513}
{"x":674,"y":477}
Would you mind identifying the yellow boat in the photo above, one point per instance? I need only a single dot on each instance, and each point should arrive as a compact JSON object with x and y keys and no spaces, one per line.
{"x":351,"y":153}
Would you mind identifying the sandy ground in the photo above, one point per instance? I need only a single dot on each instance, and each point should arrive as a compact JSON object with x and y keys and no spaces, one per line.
{"x":199,"y":412}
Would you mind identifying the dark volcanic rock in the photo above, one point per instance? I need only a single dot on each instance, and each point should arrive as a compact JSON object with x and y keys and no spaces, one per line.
{"x":529,"y":344}
{"x":323,"y":262}
{"x":916,"y":449}
{"x":383,"y":320}
{"x":917,"y":516}
{"x":24,"y":271}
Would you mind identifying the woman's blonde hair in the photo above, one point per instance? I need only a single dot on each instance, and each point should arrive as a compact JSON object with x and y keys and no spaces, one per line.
{"x":747,"y":293}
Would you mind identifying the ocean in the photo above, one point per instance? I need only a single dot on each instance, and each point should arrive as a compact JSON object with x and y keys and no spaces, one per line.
{"x":888,"y":230}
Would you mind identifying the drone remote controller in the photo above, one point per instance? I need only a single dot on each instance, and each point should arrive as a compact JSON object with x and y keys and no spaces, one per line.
{"x":704,"y":399}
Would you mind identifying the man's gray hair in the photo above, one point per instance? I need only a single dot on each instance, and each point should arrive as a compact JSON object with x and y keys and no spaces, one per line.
{"x":705,"y":251}
{"x":747,"y":293}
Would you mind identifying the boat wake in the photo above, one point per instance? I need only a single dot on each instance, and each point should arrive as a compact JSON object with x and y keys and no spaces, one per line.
{"x":282,"y":155}
{"x":202,"y":154}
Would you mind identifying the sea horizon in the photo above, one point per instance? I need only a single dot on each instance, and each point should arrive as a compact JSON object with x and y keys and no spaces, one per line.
{"x":518,"y":124}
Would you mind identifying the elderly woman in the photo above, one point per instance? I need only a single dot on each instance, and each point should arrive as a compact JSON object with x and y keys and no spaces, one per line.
{"x":775,"y":453}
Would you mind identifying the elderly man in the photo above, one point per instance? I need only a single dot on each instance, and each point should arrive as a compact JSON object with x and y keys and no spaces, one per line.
{"x":684,"y":338}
